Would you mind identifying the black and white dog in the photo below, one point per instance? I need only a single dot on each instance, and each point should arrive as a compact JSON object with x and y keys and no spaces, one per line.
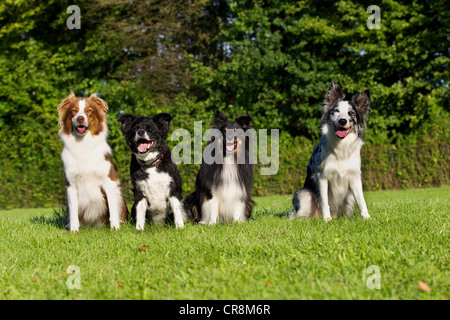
{"x":156,"y":180}
{"x":223,"y":187}
{"x":333,"y":180}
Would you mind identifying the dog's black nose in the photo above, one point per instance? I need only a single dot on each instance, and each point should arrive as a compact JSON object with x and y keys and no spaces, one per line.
{"x":342,"y":122}
{"x":141,"y":132}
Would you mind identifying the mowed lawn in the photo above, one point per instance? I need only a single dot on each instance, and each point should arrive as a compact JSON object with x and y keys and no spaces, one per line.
{"x":268,"y":257}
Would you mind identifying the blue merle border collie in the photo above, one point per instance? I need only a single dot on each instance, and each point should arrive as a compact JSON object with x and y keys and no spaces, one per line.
{"x":333,"y":180}
{"x":223,"y":187}
{"x":155,"y":177}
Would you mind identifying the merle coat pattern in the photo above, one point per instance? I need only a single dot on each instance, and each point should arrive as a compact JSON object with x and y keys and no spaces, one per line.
{"x":333,"y":180}
{"x":222,"y":190}
{"x":156,"y":180}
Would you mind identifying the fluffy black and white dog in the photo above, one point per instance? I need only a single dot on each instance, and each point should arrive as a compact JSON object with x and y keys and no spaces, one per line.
{"x":223,"y":186}
{"x":333,"y":180}
{"x":156,"y":180}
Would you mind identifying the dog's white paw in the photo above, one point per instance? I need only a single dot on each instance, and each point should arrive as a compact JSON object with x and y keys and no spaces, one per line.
{"x":139,"y":227}
{"x":207,"y":222}
{"x":327,"y":219}
{"x":179,"y":225}
{"x":115,"y":226}
{"x":366,"y":216}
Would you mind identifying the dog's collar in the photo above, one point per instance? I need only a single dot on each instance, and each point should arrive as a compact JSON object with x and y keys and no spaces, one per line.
{"x":152,"y":163}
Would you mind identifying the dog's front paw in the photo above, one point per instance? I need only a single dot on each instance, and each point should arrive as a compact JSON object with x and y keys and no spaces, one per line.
{"x":366,"y":216}
{"x":207,"y":222}
{"x":139,"y":227}
{"x":179,"y":225}
{"x":327,"y":219}
{"x":74,"y":227}
{"x":115,"y":226}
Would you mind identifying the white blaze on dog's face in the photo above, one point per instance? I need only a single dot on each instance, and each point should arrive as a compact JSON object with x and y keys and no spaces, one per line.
{"x":343,"y":114}
{"x":342,"y":117}
{"x":78,"y":116}
{"x":80,"y":119}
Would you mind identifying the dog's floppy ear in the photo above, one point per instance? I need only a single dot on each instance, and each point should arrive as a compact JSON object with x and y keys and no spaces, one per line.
{"x":126,"y":120}
{"x":64,"y":115}
{"x":66,"y":102}
{"x":219,"y":119}
{"x":362,"y":102}
{"x":99,"y":102}
{"x":163,"y":119}
{"x":245,"y":122}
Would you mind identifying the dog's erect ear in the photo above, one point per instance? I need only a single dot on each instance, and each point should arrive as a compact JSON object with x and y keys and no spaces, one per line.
{"x":362,"y":102}
{"x":99,"y":102}
{"x":163,"y":119}
{"x":126,"y":119}
{"x":219,"y":119}
{"x":333,"y":94}
{"x":244,"y":121}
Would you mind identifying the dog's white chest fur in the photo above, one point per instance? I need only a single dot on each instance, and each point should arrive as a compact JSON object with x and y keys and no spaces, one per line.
{"x":340,"y":173}
{"x":87,"y":170}
{"x":81,"y":157}
{"x":157,"y":200}
{"x":90,"y":190}
{"x":228,"y":199}
{"x":156,"y":189}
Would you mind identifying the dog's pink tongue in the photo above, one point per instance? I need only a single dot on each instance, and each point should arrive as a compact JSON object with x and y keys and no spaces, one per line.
{"x":230,"y":147}
{"x":142,"y":147}
{"x":342,"y":133}
{"x":81,"y":129}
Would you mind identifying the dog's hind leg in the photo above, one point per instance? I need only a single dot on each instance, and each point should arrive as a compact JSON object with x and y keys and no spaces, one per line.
{"x":305,"y":205}
{"x":348,"y":205}
{"x":248,"y":208}
{"x":190,"y":208}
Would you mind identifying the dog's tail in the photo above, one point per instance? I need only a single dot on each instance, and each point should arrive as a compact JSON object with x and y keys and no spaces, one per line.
{"x":190,"y":207}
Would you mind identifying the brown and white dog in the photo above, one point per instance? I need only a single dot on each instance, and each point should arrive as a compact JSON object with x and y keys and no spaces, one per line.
{"x":93,"y":190}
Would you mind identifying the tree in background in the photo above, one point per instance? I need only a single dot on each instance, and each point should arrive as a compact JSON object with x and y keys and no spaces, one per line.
{"x":270,"y":59}
{"x":153,"y":40}
{"x":281,"y":56}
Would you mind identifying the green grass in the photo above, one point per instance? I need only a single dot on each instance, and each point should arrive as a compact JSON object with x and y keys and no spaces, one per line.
{"x":269,"y":257}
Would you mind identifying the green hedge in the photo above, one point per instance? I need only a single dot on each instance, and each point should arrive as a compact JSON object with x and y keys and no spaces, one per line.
{"x":31,"y":172}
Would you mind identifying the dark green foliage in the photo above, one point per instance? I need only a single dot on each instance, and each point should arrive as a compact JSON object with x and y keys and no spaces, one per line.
{"x":270,"y":59}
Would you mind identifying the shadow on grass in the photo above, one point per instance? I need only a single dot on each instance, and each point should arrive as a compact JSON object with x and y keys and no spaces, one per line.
{"x":58,"y":219}
{"x":260,"y":210}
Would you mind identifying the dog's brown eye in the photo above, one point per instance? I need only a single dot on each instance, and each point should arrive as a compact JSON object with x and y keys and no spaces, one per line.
{"x":73,"y":111}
